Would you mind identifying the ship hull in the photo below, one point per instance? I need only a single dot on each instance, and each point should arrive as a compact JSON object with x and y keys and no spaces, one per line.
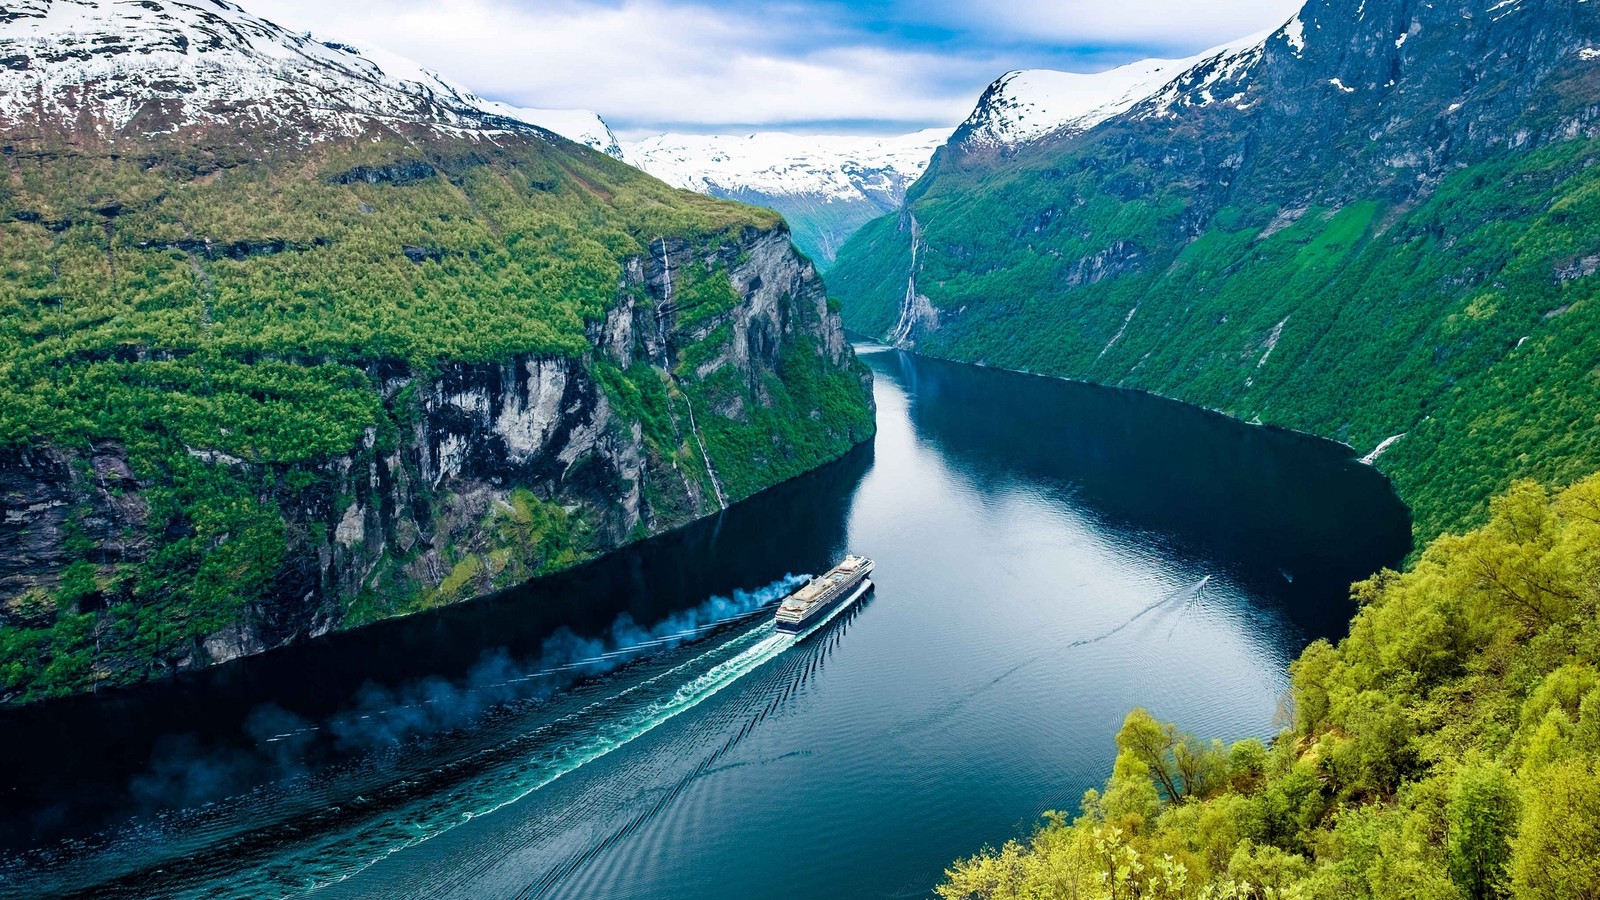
{"x":822,"y":612}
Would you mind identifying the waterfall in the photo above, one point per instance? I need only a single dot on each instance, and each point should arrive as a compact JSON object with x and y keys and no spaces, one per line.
{"x":908,"y":306}
{"x":666,"y":265}
{"x":666,"y":303}
{"x":716,"y":484}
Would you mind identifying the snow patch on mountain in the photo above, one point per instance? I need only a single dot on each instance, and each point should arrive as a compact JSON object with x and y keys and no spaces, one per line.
{"x":155,"y":66}
{"x":1028,"y":104}
{"x":581,"y":125}
{"x":1295,"y":34}
{"x":775,"y":164}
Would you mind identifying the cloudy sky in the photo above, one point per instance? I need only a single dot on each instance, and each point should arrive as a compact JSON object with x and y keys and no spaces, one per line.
{"x":869,"y":66}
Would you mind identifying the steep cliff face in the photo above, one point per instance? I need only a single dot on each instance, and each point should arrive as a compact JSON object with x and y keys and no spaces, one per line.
{"x":441,"y":516}
{"x":494,"y":471}
{"x":1358,"y":225}
{"x":272,"y":365}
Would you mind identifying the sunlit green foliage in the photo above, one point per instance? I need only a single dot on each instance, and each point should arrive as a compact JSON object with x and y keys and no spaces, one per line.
{"x":1448,"y":748}
{"x":224,"y":315}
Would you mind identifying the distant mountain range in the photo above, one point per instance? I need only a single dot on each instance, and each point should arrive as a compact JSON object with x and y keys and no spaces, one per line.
{"x":826,"y":186}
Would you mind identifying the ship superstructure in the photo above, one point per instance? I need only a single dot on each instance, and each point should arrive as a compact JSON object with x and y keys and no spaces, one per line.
{"x":838,"y":587}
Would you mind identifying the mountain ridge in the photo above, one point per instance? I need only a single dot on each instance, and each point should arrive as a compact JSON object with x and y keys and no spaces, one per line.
{"x":154,"y":67}
{"x":1024,"y":105}
{"x":1240,"y":236}
{"x":825,"y":185}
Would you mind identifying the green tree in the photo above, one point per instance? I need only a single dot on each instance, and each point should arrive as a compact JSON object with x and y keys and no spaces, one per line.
{"x":1480,"y":817}
{"x":1180,"y":763}
{"x":1445,"y":750}
{"x":1556,"y":853}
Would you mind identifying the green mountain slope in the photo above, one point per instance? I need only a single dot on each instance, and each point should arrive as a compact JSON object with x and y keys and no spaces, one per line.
{"x":262,"y":376}
{"x":1407,"y":251}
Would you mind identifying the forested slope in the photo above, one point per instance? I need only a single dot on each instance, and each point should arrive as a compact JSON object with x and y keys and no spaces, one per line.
{"x":1448,"y":748}
{"x":1380,"y":221}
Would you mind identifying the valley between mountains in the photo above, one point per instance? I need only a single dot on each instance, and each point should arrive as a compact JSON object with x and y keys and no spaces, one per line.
{"x":297,"y":336}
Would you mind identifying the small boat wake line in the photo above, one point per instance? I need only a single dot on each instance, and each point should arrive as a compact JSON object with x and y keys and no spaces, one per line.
{"x":1189,"y":595}
{"x":1196,"y":594}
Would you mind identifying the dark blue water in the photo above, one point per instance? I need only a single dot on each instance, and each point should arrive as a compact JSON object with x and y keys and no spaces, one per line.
{"x":1049,"y":556}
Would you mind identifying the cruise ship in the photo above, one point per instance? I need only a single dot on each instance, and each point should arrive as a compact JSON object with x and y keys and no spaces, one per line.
{"x":841,"y":586}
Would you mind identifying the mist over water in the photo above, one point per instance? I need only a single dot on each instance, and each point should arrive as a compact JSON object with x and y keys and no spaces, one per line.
{"x":188,"y":787}
{"x":1049,"y":555}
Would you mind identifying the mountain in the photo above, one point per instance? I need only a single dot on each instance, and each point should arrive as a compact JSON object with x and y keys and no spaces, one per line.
{"x":825,"y":186}
{"x":298,"y":337}
{"x":578,"y":125}
{"x":828,"y":187}
{"x":1027,"y":104}
{"x":1377,"y":224}
{"x":157,"y":66}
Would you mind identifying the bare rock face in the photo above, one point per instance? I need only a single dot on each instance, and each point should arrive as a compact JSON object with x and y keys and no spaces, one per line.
{"x":56,"y":509}
{"x":544,"y":425}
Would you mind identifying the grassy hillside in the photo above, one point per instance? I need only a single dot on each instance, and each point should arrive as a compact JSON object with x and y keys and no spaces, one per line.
{"x":1448,"y":749}
{"x":231,"y":319}
{"x":1464,"y":319}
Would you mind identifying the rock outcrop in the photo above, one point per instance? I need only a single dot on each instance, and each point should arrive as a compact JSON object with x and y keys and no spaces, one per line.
{"x":432,"y":517}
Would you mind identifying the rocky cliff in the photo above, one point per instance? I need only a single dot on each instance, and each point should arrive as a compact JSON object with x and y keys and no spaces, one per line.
{"x":500,"y":471}
{"x":472,"y":477}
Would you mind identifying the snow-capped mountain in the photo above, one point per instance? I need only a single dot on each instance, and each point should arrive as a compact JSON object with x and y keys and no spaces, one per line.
{"x":1028,"y":104}
{"x":778,"y":164}
{"x":581,"y":125}
{"x":827,"y":186}
{"x":157,"y":66}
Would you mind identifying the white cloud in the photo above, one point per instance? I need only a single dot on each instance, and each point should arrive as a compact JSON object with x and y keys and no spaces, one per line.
{"x":1183,"y":25}
{"x":645,"y":64}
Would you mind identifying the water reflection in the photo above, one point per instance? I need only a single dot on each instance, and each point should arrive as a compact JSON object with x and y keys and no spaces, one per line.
{"x":1050,"y":554}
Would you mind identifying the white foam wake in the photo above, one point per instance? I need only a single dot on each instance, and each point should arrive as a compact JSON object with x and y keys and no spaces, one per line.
{"x":614,"y":722}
